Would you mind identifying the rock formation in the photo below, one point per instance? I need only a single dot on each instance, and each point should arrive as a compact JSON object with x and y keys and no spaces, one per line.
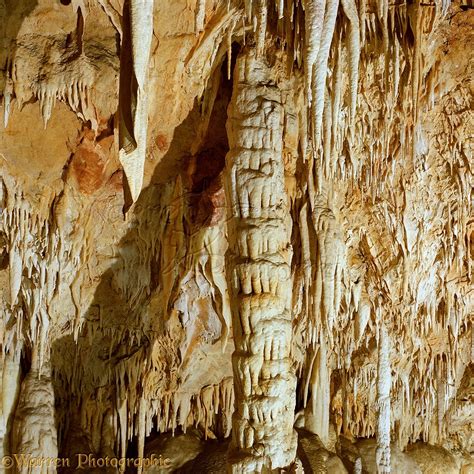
{"x":237,"y":233}
{"x":259,"y":237}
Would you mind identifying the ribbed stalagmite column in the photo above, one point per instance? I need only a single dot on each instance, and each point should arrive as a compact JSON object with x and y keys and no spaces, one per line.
{"x":259,"y":239}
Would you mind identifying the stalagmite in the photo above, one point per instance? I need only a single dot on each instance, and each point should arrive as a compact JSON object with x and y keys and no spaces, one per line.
{"x":263,"y":436}
{"x":34,"y":431}
{"x":134,"y":103}
{"x":384,"y":383}
{"x":10,"y":384}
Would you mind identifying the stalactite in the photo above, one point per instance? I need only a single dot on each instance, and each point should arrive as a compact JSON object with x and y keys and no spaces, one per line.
{"x":113,"y":14}
{"x":29,"y":278}
{"x":7,"y":98}
{"x":314,"y":21}
{"x":200,"y":15}
{"x":330,"y":256}
{"x":80,"y":5}
{"x":263,"y":435}
{"x":317,"y":411}
{"x":415,"y":23}
{"x":336,"y":103}
{"x":350,"y":10}
{"x":261,"y":18}
{"x":320,"y":69}
{"x":134,"y":121}
{"x":281,"y":8}
{"x":363,"y":21}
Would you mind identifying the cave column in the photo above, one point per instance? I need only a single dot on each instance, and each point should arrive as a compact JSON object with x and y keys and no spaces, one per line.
{"x":259,"y":240}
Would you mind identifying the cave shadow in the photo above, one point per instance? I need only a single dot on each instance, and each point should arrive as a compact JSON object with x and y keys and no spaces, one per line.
{"x":11,"y":19}
{"x":212,"y":459}
{"x":95,"y":352}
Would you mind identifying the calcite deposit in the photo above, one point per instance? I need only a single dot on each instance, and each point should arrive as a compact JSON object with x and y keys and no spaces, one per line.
{"x":237,"y":235}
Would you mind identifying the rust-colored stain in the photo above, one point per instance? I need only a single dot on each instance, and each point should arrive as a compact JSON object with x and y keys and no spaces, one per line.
{"x":161,"y":142}
{"x":87,"y":167}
